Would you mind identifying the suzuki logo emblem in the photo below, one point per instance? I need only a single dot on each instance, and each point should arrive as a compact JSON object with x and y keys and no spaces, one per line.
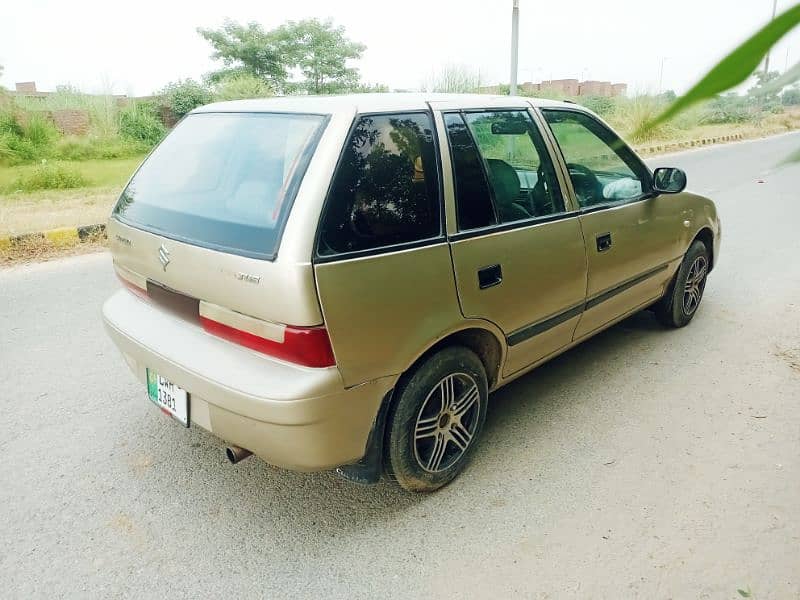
{"x":163,"y":256}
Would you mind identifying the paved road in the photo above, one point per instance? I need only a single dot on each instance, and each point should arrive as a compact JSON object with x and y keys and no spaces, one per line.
{"x":645,"y":463}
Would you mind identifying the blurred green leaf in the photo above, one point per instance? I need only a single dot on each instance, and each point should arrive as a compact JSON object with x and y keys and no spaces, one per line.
{"x":734,"y":68}
{"x":744,"y":593}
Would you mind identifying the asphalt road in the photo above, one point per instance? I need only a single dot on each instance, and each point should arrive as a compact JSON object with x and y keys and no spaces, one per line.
{"x":644,"y":463}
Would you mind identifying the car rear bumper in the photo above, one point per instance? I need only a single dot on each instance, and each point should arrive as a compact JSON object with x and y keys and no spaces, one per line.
{"x":291,"y":416}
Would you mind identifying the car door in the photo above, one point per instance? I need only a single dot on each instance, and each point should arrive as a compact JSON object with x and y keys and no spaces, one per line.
{"x":517,"y":247}
{"x":632,"y":236}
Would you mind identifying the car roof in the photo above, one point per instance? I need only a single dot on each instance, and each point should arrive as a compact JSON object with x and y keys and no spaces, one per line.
{"x":367,"y":103}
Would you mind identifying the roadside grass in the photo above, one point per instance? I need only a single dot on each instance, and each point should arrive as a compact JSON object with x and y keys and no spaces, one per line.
{"x":96,"y":173}
{"x":25,"y":212}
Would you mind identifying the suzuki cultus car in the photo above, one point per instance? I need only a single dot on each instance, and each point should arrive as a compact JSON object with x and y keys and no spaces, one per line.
{"x":340,"y":282}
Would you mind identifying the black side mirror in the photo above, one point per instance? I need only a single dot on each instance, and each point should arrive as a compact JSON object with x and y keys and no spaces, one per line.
{"x":669,"y":180}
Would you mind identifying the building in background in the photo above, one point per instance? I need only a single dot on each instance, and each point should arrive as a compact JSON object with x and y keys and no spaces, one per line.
{"x":565,"y":87}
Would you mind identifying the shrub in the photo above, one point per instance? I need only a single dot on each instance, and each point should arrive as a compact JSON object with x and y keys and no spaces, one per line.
{"x":728,"y":108}
{"x":791,"y":97}
{"x":40,"y":131}
{"x":185,"y":95}
{"x":50,"y":177}
{"x":139,"y":122}
{"x":602,"y":105}
{"x":241,"y":86}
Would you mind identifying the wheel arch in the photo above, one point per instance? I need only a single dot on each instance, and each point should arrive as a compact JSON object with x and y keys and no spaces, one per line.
{"x":481,"y":340}
{"x":706,"y":235}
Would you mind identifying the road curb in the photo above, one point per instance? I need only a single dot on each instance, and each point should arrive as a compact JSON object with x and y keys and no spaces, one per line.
{"x":62,"y":237}
{"x":696,"y":143}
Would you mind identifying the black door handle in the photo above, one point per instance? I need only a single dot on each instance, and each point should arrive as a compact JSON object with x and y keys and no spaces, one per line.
{"x":490,"y":276}
{"x":603,"y":242}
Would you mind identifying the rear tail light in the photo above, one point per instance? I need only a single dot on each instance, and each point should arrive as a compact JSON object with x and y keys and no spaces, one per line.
{"x":135,"y":283}
{"x":307,"y":346}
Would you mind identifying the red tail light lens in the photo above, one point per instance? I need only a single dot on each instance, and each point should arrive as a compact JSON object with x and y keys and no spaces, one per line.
{"x":307,"y":346}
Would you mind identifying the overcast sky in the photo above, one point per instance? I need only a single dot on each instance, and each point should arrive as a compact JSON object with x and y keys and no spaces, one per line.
{"x":137,"y":47}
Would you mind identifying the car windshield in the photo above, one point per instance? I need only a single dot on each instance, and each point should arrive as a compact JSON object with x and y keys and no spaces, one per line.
{"x":223,"y":180}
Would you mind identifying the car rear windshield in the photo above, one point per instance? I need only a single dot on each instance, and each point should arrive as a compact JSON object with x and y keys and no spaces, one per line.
{"x":223,"y":180}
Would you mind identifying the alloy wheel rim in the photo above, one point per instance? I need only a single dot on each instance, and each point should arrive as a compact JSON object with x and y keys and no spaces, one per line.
{"x":447,"y":422}
{"x":693,"y":287}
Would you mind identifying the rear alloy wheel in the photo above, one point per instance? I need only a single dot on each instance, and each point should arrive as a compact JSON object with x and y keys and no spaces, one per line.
{"x":683,"y":297}
{"x":436,"y":420}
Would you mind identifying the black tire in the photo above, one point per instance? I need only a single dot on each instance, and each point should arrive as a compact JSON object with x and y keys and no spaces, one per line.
{"x":676,"y":309}
{"x":440,"y":453}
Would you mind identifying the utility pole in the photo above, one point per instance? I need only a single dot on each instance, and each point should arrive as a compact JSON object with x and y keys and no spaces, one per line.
{"x":661,"y":74}
{"x":514,"y":46}
{"x":766,"y":61}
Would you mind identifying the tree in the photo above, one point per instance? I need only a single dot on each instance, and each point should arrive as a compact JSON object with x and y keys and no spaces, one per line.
{"x":318,"y":49}
{"x":321,"y":51}
{"x":249,"y":49}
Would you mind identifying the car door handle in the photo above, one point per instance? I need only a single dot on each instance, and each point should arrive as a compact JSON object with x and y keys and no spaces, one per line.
{"x":490,"y":276}
{"x":603,"y":242}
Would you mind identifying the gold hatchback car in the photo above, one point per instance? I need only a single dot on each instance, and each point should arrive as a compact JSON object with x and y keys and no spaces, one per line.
{"x":339,"y":282}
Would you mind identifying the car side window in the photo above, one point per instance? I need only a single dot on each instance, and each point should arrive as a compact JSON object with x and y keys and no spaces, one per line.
{"x":386,"y":188}
{"x":474,"y":208}
{"x":521,"y":176}
{"x":602,"y":168}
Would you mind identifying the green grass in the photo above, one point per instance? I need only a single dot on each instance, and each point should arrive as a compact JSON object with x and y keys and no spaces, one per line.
{"x":95,"y":173}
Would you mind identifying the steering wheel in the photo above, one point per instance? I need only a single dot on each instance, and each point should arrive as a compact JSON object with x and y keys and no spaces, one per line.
{"x":587,"y":186}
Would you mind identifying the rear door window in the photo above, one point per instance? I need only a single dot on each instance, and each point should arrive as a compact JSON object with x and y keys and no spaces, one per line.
{"x":521,"y":176}
{"x":386,"y":188}
{"x":223,"y":180}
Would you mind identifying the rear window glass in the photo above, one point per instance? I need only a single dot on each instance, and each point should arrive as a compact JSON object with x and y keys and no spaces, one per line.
{"x":386,"y":189}
{"x":223,"y":180}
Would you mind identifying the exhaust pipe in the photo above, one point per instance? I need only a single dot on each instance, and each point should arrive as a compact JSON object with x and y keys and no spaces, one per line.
{"x":236,"y":454}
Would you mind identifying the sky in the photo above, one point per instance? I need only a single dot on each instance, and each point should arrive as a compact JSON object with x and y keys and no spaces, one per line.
{"x":136,"y":48}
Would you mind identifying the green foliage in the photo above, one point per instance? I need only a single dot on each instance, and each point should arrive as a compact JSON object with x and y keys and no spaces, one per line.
{"x":90,"y":147}
{"x":734,"y":68}
{"x":602,"y":105}
{"x":241,"y":86}
{"x":791,"y":97}
{"x":728,"y":108}
{"x":249,"y":49}
{"x":185,"y":95}
{"x":317,"y":49}
{"x":139,"y":122}
{"x":321,"y":51}
{"x":25,"y":140}
{"x":50,"y":177}
{"x":40,"y":131}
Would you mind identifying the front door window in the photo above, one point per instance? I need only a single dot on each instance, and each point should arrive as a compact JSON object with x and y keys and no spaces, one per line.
{"x":602,"y":168}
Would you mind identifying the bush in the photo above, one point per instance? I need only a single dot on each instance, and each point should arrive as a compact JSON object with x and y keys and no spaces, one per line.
{"x":50,"y":177}
{"x":241,"y":86}
{"x":185,"y":95}
{"x":139,"y":122}
{"x":40,"y":131}
{"x":791,"y":97}
{"x":602,"y":105}
{"x":729,"y":108}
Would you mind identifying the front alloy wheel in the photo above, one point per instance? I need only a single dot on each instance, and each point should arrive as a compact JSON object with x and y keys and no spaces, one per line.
{"x":683,"y":297}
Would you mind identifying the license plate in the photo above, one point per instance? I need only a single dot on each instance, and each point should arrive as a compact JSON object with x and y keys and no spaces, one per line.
{"x":168,"y":397}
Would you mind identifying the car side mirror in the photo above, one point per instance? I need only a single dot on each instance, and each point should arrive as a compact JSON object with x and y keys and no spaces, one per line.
{"x":669,"y":180}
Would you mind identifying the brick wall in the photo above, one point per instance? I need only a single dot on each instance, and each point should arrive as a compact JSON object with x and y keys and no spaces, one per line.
{"x":71,"y":122}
